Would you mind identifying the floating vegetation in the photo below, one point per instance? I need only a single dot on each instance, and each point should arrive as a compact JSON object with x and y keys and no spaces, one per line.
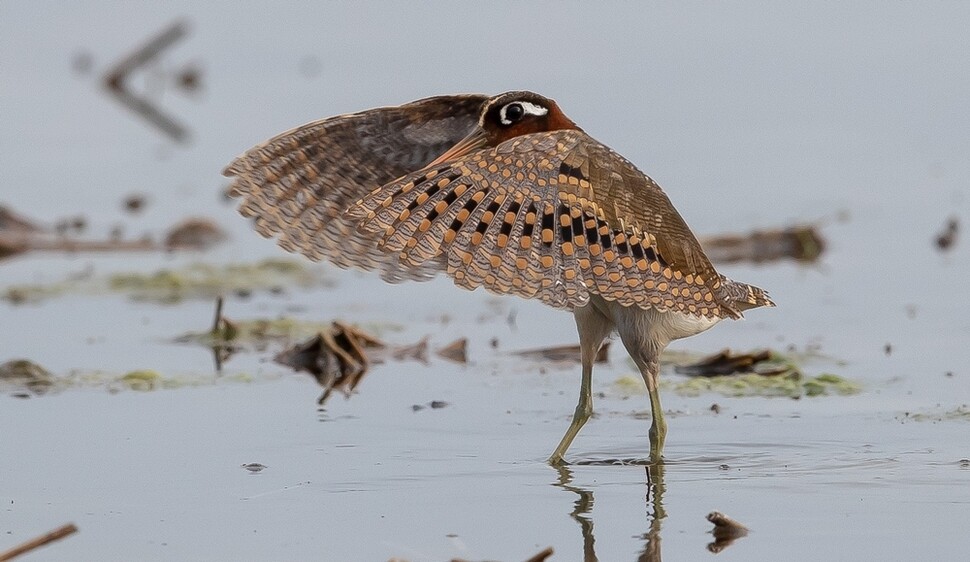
{"x":25,"y":379}
{"x":208,"y":281}
{"x":960,"y":413}
{"x":255,"y":334}
{"x":763,"y":373}
{"x":751,"y":384}
{"x":195,"y":281}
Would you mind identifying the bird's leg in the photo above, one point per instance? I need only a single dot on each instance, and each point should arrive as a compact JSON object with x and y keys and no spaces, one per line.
{"x":650,"y":370}
{"x":593,"y":328}
{"x":584,"y":409}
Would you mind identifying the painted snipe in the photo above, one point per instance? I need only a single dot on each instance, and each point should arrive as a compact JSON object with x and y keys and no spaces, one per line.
{"x":501,"y":192}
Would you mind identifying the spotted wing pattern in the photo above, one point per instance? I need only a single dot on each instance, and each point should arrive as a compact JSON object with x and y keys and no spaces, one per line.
{"x":554,"y":216}
{"x":297,"y":185}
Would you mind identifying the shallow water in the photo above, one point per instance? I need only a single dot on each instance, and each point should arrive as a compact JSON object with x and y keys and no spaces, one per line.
{"x":750,"y":117}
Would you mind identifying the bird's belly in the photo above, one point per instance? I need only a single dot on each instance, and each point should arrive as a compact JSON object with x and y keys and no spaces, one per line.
{"x":652,"y":325}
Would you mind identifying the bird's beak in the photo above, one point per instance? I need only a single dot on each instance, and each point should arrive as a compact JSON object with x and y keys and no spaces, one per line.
{"x":475,"y":140}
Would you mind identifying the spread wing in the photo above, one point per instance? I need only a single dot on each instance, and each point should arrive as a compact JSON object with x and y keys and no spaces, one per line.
{"x":555,"y":216}
{"x":297,"y":185}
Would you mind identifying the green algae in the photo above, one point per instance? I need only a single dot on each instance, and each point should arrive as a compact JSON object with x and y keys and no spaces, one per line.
{"x":752,"y":384}
{"x":255,"y":333}
{"x":960,"y":413}
{"x":209,"y":281}
{"x":780,"y":375}
{"x":172,"y":285}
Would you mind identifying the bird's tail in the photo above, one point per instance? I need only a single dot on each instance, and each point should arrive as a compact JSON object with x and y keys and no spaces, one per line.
{"x":741,"y":296}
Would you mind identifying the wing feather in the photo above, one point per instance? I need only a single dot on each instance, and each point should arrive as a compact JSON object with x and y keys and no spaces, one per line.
{"x":298,"y":184}
{"x":555,"y":216}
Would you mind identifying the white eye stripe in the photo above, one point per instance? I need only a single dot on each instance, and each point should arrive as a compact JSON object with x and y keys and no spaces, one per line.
{"x":528,"y":108}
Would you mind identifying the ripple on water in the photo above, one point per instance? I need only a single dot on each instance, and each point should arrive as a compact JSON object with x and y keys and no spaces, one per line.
{"x":827,"y":460}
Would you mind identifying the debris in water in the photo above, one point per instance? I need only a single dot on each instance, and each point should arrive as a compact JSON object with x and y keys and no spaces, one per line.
{"x":726,"y":363}
{"x":189,"y":78}
{"x":456,"y":351}
{"x":23,"y":548}
{"x":134,"y":203}
{"x":434,"y":405}
{"x":71,"y":224}
{"x":801,"y":243}
{"x":416,"y":352}
{"x":116,"y":81}
{"x":10,"y":221}
{"x":563,"y":353}
{"x":726,"y":531}
{"x":254,"y":467}
{"x":538,"y":557}
{"x":21,"y":375}
{"x":194,"y":234}
{"x":334,"y":357}
{"x":946,"y":238}
{"x":888,"y":349}
{"x":143,"y":380}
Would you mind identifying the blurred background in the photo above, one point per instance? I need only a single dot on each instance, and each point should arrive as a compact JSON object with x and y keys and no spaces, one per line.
{"x":848,"y":117}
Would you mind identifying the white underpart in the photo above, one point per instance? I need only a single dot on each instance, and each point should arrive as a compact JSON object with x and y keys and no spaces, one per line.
{"x":527,"y":107}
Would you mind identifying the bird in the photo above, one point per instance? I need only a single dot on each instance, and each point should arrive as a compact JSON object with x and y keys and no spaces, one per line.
{"x":503,"y":192}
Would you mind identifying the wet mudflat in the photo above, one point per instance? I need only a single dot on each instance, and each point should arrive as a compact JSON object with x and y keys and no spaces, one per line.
{"x":141,"y":442}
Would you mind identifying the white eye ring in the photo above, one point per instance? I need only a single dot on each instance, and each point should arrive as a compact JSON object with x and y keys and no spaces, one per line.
{"x":528,"y":108}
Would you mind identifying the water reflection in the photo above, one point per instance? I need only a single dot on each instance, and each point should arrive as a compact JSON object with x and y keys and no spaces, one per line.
{"x":581,"y":510}
{"x":583,"y":507}
{"x":655,"y":513}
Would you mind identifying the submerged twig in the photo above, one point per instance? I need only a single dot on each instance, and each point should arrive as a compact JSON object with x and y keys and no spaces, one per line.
{"x":725,"y":363}
{"x":538,"y":557}
{"x":12,"y":243}
{"x":800,"y":243}
{"x":456,"y":351}
{"x":116,"y":81}
{"x":948,"y":236}
{"x":571,"y":353}
{"x":23,"y":548}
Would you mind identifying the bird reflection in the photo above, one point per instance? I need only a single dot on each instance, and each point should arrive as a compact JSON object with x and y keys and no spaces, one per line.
{"x":583,"y":506}
{"x":581,"y":510}
{"x":655,"y":513}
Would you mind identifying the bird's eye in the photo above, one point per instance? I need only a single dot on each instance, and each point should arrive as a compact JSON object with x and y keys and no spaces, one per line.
{"x":512,"y":113}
